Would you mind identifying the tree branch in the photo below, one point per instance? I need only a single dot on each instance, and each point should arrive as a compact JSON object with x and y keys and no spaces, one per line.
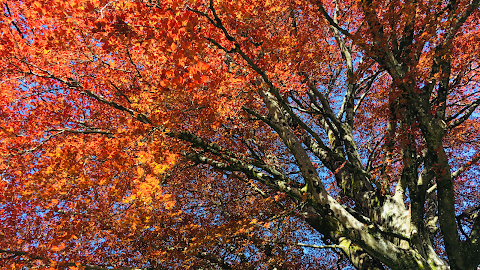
{"x":461,"y":19}
{"x":331,"y":20}
{"x":467,"y":112}
{"x":467,"y":165}
{"x":214,"y":259}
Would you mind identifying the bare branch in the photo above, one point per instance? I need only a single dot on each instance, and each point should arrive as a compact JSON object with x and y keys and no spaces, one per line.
{"x":86,"y":131}
{"x":467,"y":112}
{"x":467,"y":165}
{"x":330,"y":19}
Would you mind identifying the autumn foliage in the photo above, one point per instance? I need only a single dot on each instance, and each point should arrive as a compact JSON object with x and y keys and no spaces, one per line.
{"x":209,"y":134}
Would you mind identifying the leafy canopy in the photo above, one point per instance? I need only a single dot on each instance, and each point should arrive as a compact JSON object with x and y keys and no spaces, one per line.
{"x":239,"y":134}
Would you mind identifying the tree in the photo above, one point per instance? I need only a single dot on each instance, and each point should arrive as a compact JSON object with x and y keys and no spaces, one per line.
{"x":239,"y":134}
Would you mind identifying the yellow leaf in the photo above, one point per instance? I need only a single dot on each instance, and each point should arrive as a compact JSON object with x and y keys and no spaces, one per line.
{"x":140,"y":171}
{"x":159,"y":168}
